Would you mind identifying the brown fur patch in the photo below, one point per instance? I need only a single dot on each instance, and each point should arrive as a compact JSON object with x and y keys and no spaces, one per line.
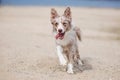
{"x":77,"y":30}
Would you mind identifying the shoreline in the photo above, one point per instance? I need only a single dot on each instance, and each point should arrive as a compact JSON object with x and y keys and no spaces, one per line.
{"x":47,"y":6}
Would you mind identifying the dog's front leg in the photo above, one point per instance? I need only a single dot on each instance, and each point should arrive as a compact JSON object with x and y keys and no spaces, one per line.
{"x":70,"y":63}
{"x":60,"y":55}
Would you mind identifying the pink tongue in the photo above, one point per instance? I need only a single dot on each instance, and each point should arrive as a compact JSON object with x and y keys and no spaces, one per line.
{"x":59,"y":35}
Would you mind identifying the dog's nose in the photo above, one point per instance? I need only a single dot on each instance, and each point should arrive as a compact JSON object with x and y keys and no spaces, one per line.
{"x":59,"y":30}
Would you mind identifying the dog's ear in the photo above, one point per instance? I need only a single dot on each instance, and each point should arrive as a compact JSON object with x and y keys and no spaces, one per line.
{"x":67,"y":13}
{"x":53,"y":13}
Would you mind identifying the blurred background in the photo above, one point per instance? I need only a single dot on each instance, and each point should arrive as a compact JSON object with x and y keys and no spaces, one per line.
{"x":27,"y":46}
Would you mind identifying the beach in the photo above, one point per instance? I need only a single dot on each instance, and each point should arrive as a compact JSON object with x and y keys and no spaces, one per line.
{"x":28,"y":50}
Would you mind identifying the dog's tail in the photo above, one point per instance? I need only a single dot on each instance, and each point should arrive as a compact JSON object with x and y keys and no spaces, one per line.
{"x":78,"y":32}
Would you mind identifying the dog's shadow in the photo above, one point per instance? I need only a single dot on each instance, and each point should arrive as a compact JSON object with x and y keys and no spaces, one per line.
{"x":77,"y":68}
{"x":86,"y":65}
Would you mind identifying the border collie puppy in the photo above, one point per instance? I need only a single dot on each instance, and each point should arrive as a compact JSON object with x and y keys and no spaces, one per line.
{"x":66,"y":35}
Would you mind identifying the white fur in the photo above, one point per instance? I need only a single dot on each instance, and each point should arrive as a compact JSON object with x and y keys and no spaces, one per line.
{"x":60,"y":55}
{"x":60,"y":26}
{"x":70,"y":68}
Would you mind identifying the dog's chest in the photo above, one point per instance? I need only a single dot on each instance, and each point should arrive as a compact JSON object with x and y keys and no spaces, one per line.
{"x":69,"y":38}
{"x":63,"y":42}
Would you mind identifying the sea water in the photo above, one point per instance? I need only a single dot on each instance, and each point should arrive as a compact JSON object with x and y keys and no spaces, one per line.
{"x":81,"y":3}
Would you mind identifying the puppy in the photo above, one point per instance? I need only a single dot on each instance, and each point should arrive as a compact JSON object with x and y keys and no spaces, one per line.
{"x":66,"y":39}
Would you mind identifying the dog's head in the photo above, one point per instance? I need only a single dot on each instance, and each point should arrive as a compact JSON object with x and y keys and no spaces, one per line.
{"x":61,"y":24}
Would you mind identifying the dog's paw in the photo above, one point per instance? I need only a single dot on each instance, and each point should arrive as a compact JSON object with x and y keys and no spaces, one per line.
{"x":70,"y":71}
{"x":63,"y":62}
{"x":70,"y":68}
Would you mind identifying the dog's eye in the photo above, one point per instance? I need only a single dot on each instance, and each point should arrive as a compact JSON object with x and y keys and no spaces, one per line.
{"x":52,"y":23}
{"x":56,"y":24}
{"x":64,"y":24}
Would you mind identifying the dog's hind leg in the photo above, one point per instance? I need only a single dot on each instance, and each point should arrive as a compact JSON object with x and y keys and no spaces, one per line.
{"x":79,"y":62}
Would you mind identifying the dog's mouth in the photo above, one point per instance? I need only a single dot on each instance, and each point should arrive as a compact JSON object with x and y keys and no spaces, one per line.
{"x":60,"y":36}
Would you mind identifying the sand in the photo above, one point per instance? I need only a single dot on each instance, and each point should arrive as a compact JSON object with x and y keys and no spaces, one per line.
{"x":27,"y":47}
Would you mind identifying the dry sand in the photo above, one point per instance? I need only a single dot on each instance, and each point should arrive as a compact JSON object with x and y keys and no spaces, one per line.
{"x":27,"y":47}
